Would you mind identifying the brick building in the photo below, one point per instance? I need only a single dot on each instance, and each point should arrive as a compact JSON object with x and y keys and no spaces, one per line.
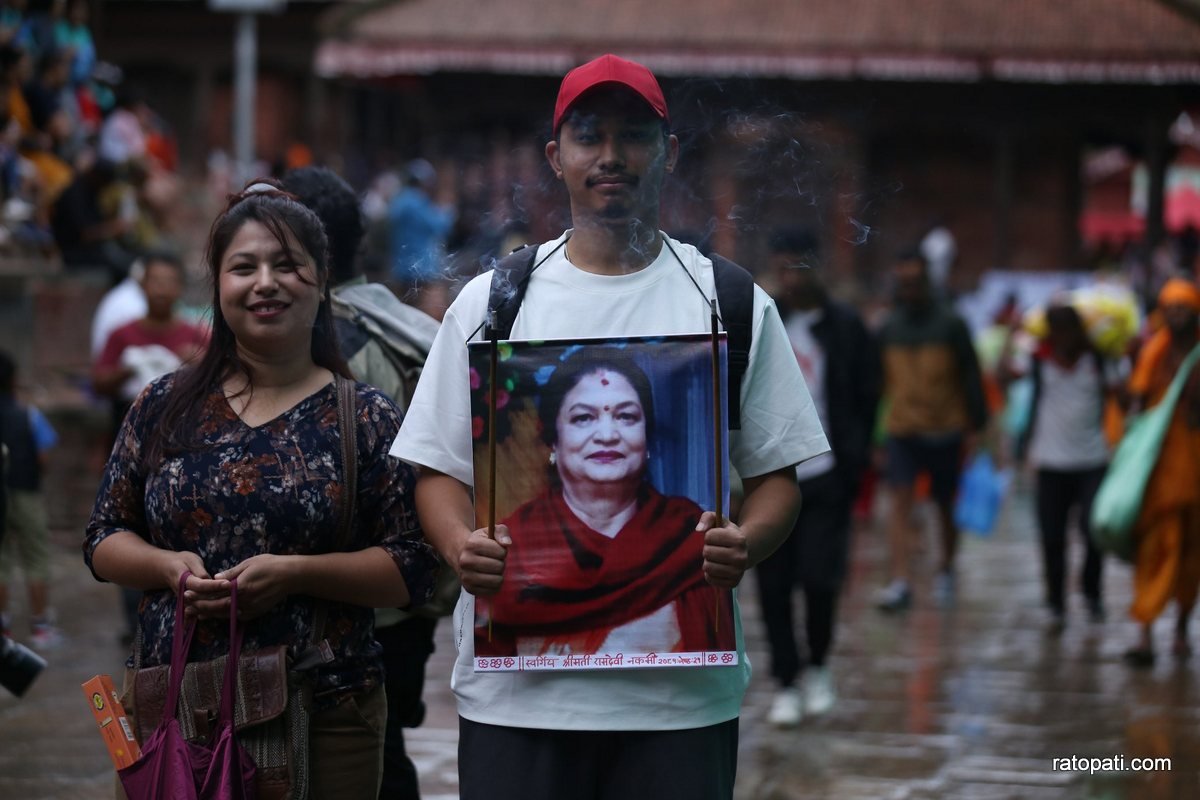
{"x":865,"y":120}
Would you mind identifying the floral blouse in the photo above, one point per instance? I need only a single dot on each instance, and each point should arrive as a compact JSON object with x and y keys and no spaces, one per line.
{"x":272,"y":488}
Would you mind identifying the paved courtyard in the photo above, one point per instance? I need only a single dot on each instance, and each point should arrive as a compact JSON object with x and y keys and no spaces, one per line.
{"x":972,"y":703}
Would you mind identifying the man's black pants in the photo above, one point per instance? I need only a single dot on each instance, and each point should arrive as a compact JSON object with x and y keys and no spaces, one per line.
{"x":813,"y":558}
{"x":407,"y":645}
{"x":502,"y":763}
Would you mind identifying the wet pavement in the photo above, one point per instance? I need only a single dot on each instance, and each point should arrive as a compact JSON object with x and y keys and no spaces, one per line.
{"x":969,"y":703}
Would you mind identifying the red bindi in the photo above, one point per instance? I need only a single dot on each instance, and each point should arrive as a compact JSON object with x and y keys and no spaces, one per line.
{"x":606,"y":408}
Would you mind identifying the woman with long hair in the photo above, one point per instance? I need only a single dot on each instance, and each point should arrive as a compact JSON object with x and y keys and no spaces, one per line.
{"x":232,"y":468}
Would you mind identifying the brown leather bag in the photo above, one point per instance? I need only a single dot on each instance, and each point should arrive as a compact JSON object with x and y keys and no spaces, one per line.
{"x":271,"y":714}
{"x":273,"y":696}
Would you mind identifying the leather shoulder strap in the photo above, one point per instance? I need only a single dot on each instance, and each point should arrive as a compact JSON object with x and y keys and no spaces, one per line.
{"x":348,"y":433}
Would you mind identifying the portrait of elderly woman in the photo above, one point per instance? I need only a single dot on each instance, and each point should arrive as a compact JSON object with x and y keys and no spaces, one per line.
{"x":603,"y":560}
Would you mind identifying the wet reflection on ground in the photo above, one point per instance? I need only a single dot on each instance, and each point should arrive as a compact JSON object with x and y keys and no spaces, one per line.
{"x":971,"y":703}
{"x":977,"y":701}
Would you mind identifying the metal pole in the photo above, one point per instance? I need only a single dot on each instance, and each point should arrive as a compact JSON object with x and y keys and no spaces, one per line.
{"x":245,"y":65}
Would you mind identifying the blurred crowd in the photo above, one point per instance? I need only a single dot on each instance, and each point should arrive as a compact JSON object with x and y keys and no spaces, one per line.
{"x":86,"y":167}
{"x":911,"y":395}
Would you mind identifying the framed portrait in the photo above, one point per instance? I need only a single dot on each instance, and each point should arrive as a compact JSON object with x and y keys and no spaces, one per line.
{"x":607,"y":452}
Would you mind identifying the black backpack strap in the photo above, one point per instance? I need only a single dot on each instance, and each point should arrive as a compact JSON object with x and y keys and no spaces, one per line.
{"x":735,"y":296}
{"x":510,"y":278}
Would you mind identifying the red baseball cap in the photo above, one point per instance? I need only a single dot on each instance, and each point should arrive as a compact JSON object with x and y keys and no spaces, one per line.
{"x":609,"y":69}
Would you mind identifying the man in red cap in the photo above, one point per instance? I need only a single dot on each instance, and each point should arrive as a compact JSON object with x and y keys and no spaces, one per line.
{"x":621,"y":733}
{"x":613,"y":157}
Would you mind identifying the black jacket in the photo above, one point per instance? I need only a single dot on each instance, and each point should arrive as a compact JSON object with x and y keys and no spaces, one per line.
{"x":853,"y":381}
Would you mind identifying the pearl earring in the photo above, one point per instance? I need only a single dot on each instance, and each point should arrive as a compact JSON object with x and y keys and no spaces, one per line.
{"x":553,"y":458}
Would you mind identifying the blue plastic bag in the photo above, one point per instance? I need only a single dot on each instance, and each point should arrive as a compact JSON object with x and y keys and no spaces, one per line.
{"x":980,"y":495}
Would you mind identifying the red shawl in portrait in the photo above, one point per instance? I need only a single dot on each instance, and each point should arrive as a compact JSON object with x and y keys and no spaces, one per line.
{"x":564,"y":579}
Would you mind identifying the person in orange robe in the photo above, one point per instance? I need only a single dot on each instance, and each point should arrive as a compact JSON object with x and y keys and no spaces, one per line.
{"x":1167,"y":532}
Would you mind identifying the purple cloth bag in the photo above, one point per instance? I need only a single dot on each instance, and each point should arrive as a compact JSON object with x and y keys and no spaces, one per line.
{"x":172,"y":768}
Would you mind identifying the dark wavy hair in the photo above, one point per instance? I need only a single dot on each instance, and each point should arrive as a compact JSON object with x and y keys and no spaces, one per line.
{"x":281,"y":213}
{"x":324,"y":191}
{"x":567,"y":376}
{"x":1064,"y":316}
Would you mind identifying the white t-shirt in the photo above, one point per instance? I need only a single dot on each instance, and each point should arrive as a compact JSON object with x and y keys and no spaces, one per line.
{"x":811,"y":358}
{"x":123,"y":303}
{"x":1068,"y":431}
{"x":779,"y":428}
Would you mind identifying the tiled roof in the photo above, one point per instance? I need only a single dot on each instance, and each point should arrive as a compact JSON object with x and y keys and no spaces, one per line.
{"x":1058,"y":40}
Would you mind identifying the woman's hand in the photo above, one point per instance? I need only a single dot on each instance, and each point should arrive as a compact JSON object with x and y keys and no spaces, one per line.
{"x":198,"y":582}
{"x":175,"y":563}
{"x":726,"y":551}
{"x":264,"y":581}
{"x":203,"y":593}
{"x":125,"y":558}
{"x":480,"y":564}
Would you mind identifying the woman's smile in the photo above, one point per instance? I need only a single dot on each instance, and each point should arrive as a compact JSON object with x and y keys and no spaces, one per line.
{"x":269,"y":290}
{"x":268,"y":309}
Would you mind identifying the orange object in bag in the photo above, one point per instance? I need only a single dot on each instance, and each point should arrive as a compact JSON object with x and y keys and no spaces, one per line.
{"x":115,"y":726}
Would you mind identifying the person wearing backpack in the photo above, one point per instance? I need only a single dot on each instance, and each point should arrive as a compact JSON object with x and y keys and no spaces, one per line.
{"x":1065,"y":443}
{"x":623,"y":733}
{"x":385,"y":343}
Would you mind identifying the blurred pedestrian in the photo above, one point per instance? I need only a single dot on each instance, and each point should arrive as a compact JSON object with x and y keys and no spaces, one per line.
{"x":119,"y":306}
{"x":1167,"y":531}
{"x":419,"y":227}
{"x":13,"y":22}
{"x":38,"y":145}
{"x":140,"y":351}
{"x":73,"y":37}
{"x":840,"y":363}
{"x":1065,"y":443}
{"x":28,"y":436}
{"x":123,"y":133}
{"x":937,"y":409}
{"x":86,"y":233}
{"x":136,"y":353}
